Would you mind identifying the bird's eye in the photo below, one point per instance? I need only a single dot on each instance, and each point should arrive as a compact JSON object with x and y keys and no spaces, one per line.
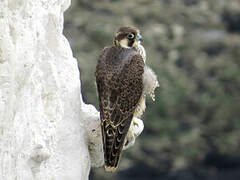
{"x":130,"y":36}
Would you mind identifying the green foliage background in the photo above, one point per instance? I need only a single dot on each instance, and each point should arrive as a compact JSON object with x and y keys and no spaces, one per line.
{"x":192,"y":130}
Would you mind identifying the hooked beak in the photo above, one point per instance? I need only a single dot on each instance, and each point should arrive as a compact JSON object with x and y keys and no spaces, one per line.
{"x":139,"y":38}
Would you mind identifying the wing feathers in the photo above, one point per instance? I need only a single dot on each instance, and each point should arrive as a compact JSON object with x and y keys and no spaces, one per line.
{"x":119,"y":84}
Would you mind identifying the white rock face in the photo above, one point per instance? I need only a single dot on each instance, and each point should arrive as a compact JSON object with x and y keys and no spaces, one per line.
{"x":46,"y":131}
{"x":42,"y":135}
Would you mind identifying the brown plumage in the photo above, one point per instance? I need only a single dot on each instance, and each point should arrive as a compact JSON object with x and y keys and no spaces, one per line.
{"x":120,"y":86}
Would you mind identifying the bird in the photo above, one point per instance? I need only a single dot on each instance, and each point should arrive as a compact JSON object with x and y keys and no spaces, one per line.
{"x":120,"y":86}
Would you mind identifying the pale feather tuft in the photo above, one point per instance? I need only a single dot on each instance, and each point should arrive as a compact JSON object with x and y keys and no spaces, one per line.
{"x":140,"y":109}
{"x":150,"y":82}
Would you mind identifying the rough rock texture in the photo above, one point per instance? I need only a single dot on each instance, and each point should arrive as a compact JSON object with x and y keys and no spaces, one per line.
{"x":46,"y":131}
{"x":41,"y":127}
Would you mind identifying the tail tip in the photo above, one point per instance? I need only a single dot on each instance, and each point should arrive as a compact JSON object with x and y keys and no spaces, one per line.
{"x":110,"y":168}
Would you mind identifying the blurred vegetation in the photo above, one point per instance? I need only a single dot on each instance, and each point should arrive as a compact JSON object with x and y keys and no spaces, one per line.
{"x":192,"y":130}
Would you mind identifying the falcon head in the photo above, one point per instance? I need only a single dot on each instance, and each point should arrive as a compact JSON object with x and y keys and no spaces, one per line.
{"x":127,"y":37}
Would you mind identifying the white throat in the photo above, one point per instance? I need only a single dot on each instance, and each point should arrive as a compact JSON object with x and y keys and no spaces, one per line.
{"x":141,"y":51}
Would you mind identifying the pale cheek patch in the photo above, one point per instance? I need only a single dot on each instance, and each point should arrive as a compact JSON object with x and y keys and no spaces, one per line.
{"x":124,"y":43}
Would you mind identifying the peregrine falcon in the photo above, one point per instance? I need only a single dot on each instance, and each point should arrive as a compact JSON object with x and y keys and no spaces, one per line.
{"x":120,"y":83}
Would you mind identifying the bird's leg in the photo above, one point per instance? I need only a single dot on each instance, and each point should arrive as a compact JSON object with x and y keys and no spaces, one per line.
{"x":134,"y":131}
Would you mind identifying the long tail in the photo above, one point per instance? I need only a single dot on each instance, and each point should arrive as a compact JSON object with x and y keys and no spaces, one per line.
{"x":113,"y":141}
